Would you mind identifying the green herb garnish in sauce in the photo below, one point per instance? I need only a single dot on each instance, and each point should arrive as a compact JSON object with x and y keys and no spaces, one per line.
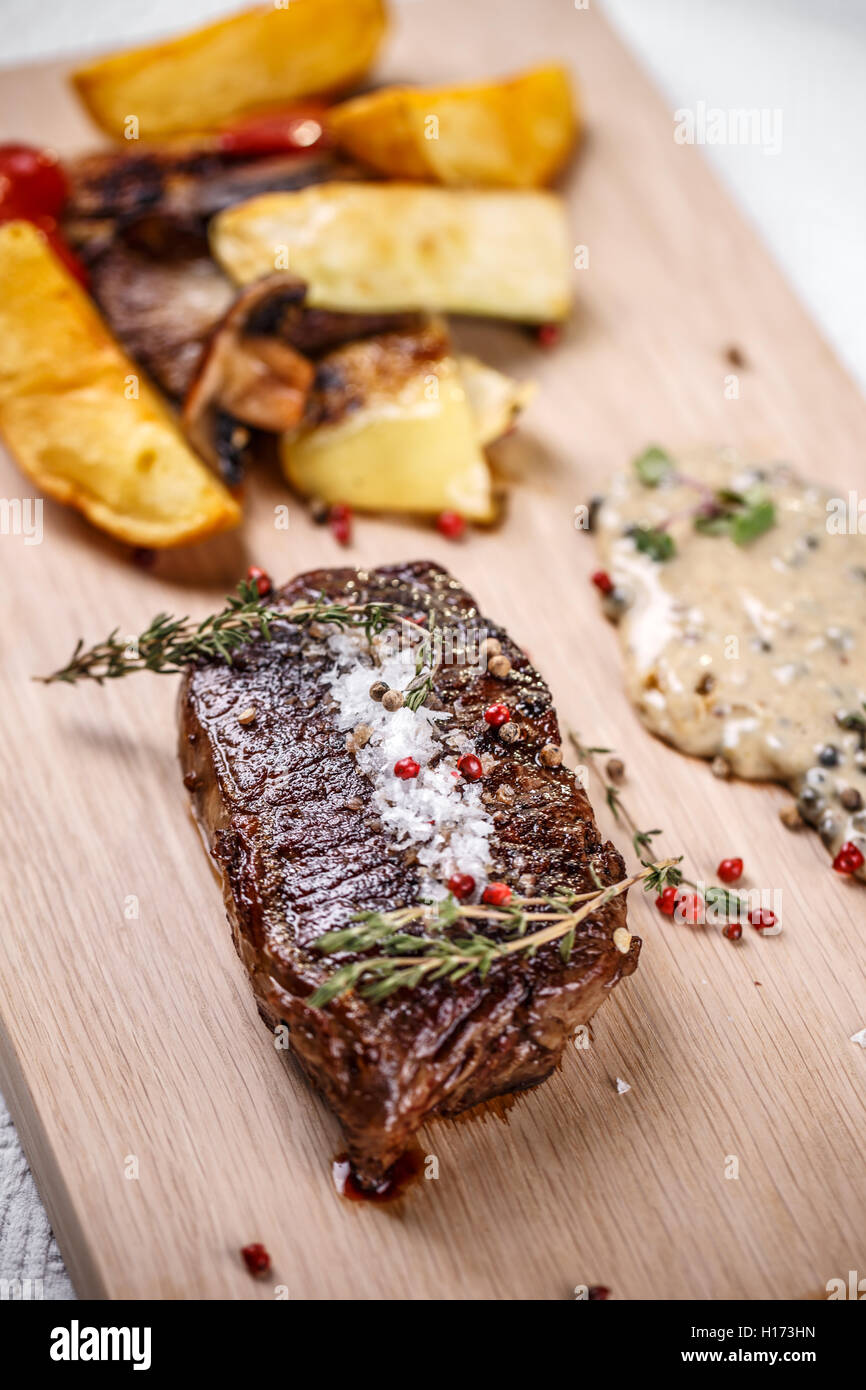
{"x":649,"y":540}
{"x":742,"y":516}
{"x":653,"y":465}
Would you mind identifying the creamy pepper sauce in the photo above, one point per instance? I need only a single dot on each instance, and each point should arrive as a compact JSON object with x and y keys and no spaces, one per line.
{"x":753,"y":653}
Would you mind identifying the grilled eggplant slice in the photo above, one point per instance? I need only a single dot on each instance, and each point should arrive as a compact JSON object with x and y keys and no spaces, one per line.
{"x":183,"y":185}
{"x":161,"y":309}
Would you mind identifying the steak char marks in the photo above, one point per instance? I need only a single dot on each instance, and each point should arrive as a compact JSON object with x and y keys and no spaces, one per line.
{"x":291,"y":825}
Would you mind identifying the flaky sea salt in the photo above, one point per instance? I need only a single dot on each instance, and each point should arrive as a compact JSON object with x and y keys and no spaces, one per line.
{"x":437,"y":813}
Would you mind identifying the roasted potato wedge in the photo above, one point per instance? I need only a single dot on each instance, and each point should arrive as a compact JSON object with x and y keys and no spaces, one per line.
{"x":381,"y":247}
{"x":511,"y":134}
{"x":78,"y":418}
{"x":261,"y":58}
{"x":390,"y":429}
{"x":495,"y":399}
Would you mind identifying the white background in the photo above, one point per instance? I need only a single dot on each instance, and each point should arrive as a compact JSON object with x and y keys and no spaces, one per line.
{"x":805,"y":57}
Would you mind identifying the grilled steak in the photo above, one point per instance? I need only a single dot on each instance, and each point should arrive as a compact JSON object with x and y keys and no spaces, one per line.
{"x":304,"y":837}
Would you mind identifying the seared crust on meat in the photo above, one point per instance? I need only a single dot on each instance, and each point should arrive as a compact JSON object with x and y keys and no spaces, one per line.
{"x":288,"y":818}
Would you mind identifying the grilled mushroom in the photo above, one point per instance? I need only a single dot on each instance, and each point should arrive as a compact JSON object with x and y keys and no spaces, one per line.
{"x":247,"y":380}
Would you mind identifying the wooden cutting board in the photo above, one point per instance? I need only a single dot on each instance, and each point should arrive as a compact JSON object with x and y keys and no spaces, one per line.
{"x":136,"y":1036}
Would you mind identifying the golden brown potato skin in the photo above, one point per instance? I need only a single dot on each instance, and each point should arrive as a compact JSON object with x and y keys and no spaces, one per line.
{"x":511,"y":134}
{"x":389,"y":428}
{"x":78,"y":418}
{"x":262,"y":58}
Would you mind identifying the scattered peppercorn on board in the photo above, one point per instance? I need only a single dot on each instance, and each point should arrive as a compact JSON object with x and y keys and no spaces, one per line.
{"x":165,"y":1131}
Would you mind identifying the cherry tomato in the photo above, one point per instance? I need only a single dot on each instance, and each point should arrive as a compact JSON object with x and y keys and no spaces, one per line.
{"x":32,"y":183}
{"x":278,"y":132}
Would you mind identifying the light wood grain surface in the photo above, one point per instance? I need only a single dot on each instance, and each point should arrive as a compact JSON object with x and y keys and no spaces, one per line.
{"x":140,"y":1038}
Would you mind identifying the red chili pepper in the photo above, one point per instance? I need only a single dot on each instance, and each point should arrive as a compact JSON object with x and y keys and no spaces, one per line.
{"x":470,"y":767}
{"x":34,"y":188}
{"x":497,"y":895}
{"x":602,"y":581}
{"x":293,"y":131}
{"x":461,"y":885}
{"x":256,"y":1259}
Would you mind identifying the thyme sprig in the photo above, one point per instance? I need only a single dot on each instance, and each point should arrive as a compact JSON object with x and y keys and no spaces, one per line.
{"x":426,"y":666}
{"x":405,"y":958}
{"x":168,"y":645}
{"x":641,"y":839}
{"x":714,"y":895}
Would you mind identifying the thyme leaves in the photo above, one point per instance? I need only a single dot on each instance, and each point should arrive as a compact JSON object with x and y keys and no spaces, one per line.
{"x":405,"y":959}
